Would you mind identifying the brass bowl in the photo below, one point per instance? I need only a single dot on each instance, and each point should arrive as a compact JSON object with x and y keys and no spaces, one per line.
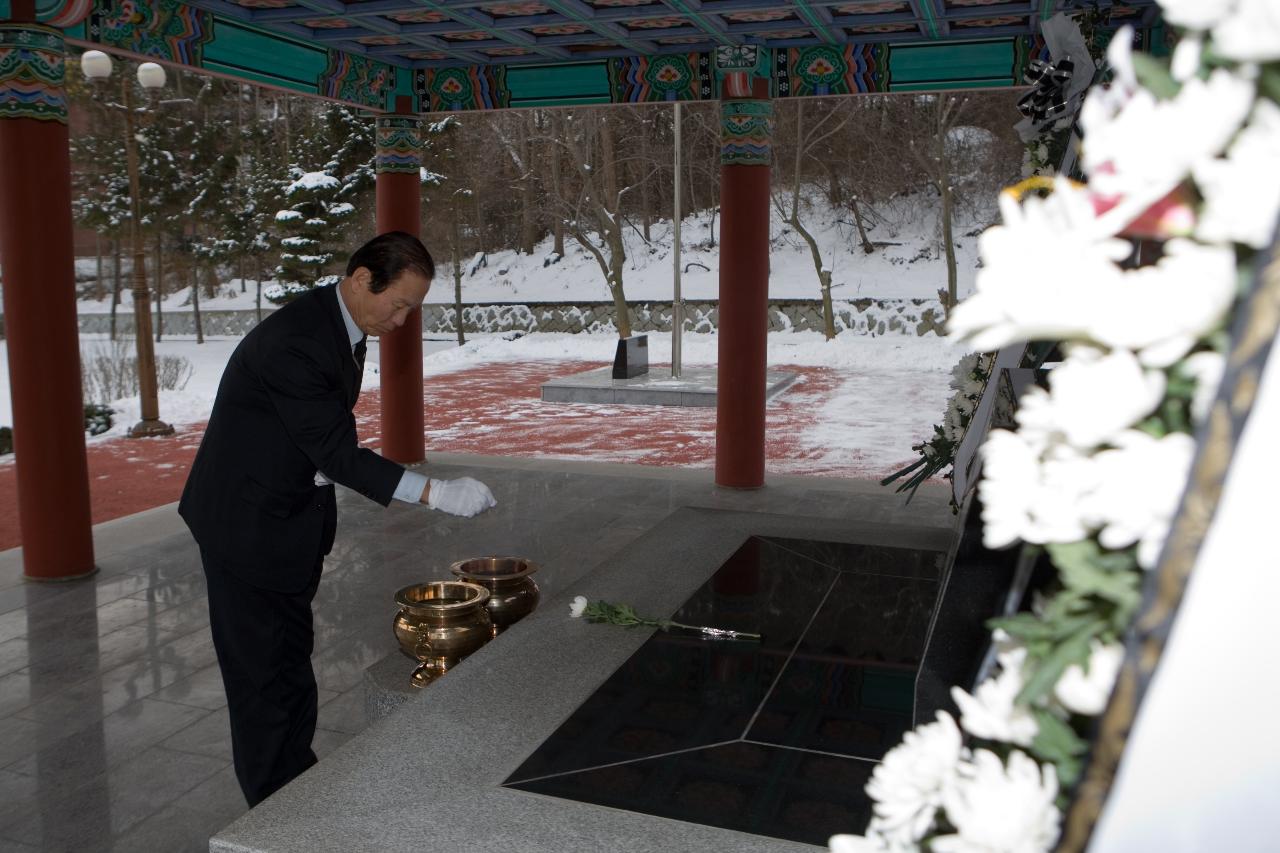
{"x":512,"y":593}
{"x":439,"y":623}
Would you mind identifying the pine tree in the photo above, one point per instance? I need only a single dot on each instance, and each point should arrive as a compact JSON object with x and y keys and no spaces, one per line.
{"x":101,"y":200}
{"x":310,"y":225}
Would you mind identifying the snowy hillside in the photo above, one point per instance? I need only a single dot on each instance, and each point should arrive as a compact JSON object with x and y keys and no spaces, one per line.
{"x":907,"y":263}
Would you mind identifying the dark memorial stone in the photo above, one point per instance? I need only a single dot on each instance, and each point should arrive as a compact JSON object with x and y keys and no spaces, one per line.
{"x":632,"y":358}
{"x":776,"y":736}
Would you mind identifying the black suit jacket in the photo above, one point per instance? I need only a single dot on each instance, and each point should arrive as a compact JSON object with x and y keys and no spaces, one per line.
{"x":283,"y":411}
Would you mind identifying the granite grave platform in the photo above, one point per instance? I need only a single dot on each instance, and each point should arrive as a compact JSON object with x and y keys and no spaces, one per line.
{"x":695,"y":387}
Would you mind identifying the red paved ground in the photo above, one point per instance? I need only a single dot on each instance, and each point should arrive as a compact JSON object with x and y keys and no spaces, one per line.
{"x":493,"y":409}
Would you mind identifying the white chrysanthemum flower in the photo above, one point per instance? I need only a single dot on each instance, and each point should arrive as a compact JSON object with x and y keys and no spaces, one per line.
{"x":1052,"y":513}
{"x":871,"y":843}
{"x":1162,"y":310}
{"x":1186,"y":58}
{"x":963,"y":370}
{"x":1093,"y":395}
{"x":1250,"y":33}
{"x":1127,"y":153}
{"x":1242,"y":190}
{"x":1139,"y":485}
{"x":990,"y":711}
{"x":999,"y":809}
{"x":907,"y":784}
{"x":1086,"y":692}
{"x":1031,"y":490}
{"x":1009,"y":652}
{"x":951,"y":425}
{"x":578,"y":605}
{"x":1206,"y":368}
{"x":1010,"y":471}
{"x":1019,"y":293}
{"x":1196,"y":14}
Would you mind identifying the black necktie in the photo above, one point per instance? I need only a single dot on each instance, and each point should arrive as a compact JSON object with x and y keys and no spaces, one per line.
{"x":359,"y":353}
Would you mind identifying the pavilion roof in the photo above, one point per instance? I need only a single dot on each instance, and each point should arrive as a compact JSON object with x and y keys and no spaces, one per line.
{"x":477,"y":54}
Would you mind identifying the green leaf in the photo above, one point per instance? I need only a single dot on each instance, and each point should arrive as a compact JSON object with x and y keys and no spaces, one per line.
{"x":1057,"y":742}
{"x":1024,"y":626}
{"x":1068,"y":607}
{"x":1055,"y":739}
{"x":1074,"y":649}
{"x":1154,"y":427}
{"x":902,"y":471}
{"x":1088,"y":551}
{"x":1154,"y":74}
{"x":1269,"y":81}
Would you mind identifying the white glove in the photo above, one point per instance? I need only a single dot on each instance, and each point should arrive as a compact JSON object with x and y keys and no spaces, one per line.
{"x":464,"y":496}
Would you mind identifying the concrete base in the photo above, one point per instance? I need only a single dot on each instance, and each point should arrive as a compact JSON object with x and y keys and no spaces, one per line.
{"x":387,"y":687}
{"x":695,"y":387}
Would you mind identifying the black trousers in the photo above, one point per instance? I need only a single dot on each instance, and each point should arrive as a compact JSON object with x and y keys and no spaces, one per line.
{"x":264,"y":640}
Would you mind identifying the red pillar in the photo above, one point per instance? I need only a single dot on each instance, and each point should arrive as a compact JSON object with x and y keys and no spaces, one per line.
{"x":746,"y":117}
{"x":41,"y":333}
{"x":399,"y":208}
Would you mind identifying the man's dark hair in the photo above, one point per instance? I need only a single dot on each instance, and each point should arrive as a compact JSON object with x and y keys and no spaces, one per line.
{"x":388,"y":255}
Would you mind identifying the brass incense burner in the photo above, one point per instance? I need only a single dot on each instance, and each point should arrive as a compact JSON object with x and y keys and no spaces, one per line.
{"x":513,"y":594}
{"x":439,"y":623}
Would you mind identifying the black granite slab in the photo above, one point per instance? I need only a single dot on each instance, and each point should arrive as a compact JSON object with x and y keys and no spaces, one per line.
{"x":776,"y":737}
{"x":632,"y":357}
{"x":749,"y":787}
{"x":679,"y":691}
{"x":849,"y":685}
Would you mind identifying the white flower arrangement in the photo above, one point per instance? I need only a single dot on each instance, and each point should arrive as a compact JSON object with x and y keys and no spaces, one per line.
{"x":1184,"y":154}
{"x":968,"y":381}
{"x":909,"y":783}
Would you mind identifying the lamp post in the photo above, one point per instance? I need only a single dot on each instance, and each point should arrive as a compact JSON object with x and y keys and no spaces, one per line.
{"x":97,"y":68}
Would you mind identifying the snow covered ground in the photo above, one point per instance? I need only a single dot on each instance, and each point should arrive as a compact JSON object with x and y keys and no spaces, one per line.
{"x":890,"y":391}
{"x":909,"y":265}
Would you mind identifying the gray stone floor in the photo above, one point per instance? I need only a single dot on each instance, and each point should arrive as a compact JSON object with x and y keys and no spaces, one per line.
{"x":113,"y":726}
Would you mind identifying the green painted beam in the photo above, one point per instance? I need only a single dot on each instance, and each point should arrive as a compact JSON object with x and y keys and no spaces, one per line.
{"x":255,"y":77}
{"x":242,"y":50}
{"x":988,"y":83}
{"x":544,"y":83}
{"x":950,"y":65}
{"x":576,"y":101}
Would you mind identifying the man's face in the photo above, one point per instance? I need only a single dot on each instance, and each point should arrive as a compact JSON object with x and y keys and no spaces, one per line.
{"x":381,"y":313}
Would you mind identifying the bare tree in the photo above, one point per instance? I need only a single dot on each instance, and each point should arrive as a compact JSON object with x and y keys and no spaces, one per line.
{"x":516,"y":131}
{"x":808,"y":138}
{"x":959,"y":159}
{"x":445,"y":186}
{"x":593,"y":214}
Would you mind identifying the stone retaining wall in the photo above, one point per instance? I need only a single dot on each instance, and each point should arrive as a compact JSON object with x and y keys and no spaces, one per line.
{"x":862,"y":316}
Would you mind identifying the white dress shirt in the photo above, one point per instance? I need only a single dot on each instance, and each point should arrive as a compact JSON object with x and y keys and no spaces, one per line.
{"x":412,"y":484}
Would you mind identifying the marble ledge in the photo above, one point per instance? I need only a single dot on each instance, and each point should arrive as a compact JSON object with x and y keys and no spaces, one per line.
{"x":432,"y":772}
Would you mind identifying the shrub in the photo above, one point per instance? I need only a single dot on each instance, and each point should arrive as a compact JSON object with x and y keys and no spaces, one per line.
{"x":109,"y":371}
{"x":97,"y":418}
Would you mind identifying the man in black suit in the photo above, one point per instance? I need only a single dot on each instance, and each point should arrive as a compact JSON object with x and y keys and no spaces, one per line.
{"x":260,"y":499}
